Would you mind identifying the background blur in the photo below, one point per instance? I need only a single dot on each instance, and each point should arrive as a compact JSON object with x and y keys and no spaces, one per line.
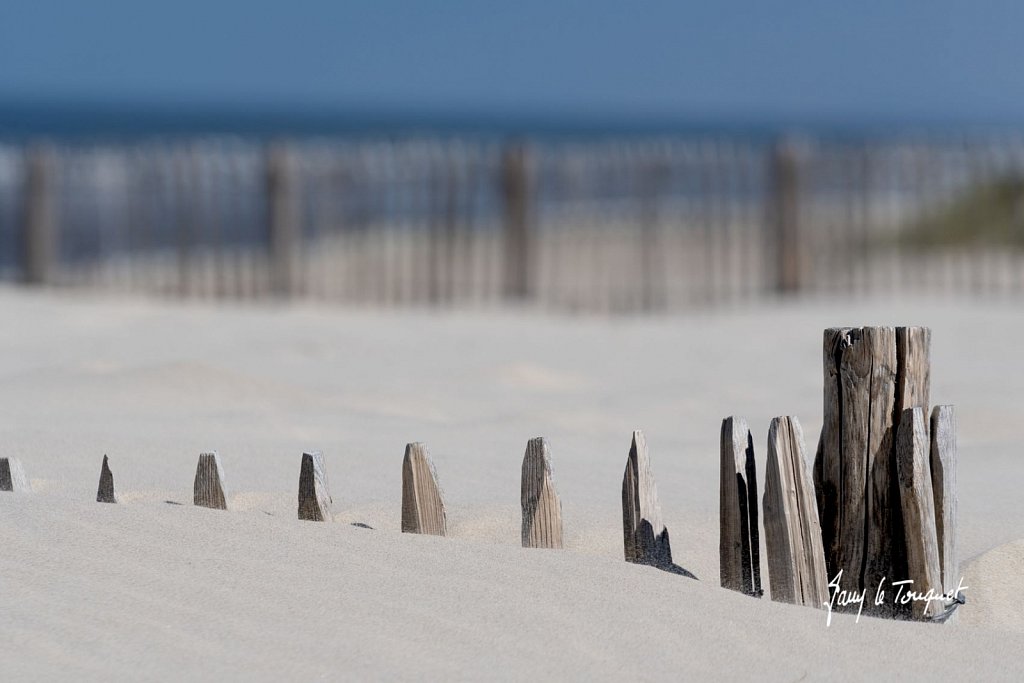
{"x":575,"y":155}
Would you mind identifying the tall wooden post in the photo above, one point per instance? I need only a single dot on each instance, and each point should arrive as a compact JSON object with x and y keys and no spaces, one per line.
{"x":739,"y":545}
{"x":872,"y":375}
{"x":784,"y":217}
{"x":40,"y":236}
{"x":515,"y":191}
{"x":283,"y":215}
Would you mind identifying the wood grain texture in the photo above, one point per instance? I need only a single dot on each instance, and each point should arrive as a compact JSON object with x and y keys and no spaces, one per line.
{"x":105,"y":490}
{"x":796,"y":558}
{"x":739,"y":538}
{"x":314,"y":493}
{"x":913,"y":389}
{"x":542,"y":510}
{"x":918,"y":506}
{"x":943,"y":464}
{"x":12,"y":476}
{"x":854,"y":465}
{"x":208,"y":488}
{"x":422,"y":503}
{"x":645,"y":536}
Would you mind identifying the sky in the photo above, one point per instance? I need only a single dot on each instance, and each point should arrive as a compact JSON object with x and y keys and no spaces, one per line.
{"x":936,"y":60}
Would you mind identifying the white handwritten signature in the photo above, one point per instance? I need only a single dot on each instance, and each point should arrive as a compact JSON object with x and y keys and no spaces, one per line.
{"x":904,"y":595}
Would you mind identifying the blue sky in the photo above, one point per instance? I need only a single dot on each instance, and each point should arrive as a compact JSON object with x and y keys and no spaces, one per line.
{"x":937,"y":60}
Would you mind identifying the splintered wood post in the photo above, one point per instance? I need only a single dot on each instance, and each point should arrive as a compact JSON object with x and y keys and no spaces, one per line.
{"x":12,"y":476}
{"x":796,"y":559}
{"x":314,"y":494}
{"x":739,"y":541}
{"x":105,"y":492}
{"x":542,"y":511}
{"x":422,"y":504}
{"x":208,"y":489}
{"x":645,"y":536}
{"x":943,"y":463}
{"x":853,"y":469}
{"x":918,"y":503}
{"x":872,"y":375}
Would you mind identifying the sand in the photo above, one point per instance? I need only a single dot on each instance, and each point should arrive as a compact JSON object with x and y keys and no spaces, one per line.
{"x":146,"y":590}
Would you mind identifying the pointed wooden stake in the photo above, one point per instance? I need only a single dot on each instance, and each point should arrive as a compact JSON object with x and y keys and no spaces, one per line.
{"x":796,"y":559}
{"x":12,"y":476}
{"x":208,"y":489}
{"x":422,"y":504}
{"x":739,"y":539}
{"x":105,"y":492}
{"x":918,"y":503}
{"x":645,"y":536}
{"x":542,"y":511}
{"x":943,"y":463}
{"x":314,"y":495}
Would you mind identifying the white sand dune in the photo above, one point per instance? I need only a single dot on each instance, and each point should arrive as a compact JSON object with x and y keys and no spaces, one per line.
{"x":150,"y":590}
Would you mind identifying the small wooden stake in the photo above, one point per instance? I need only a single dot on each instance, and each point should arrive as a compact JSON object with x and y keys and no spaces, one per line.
{"x":422,"y":504}
{"x":208,"y":489}
{"x":542,"y":511}
{"x":739,"y":540}
{"x":105,"y":492}
{"x":918,"y":503}
{"x":12,"y":476}
{"x":645,"y":536}
{"x":943,"y":463}
{"x":314,"y":495}
{"x":796,"y":559}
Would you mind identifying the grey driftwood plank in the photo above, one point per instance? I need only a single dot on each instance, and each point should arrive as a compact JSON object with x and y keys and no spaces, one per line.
{"x":854,"y":468}
{"x":913,"y":361}
{"x":12,"y":476}
{"x":796,"y":559}
{"x":314,"y":493}
{"x":422,"y":503}
{"x":739,"y":540}
{"x":105,"y":490}
{"x":542,"y":510}
{"x":208,"y":488}
{"x":645,"y":536}
{"x":918,"y":505}
{"x":943,"y":464}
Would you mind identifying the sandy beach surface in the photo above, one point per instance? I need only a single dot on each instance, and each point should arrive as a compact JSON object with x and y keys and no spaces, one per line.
{"x":147,"y":590}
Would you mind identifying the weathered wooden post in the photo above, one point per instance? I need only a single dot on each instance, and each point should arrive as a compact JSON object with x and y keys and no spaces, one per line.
{"x":918,"y":503}
{"x":515,"y":190}
{"x":645,"y":536}
{"x":105,"y":491}
{"x":12,"y":476}
{"x":284,"y":216}
{"x":208,"y":488}
{"x":314,"y":494}
{"x":739,"y":540}
{"x":943,"y":464}
{"x":542,"y":511}
{"x":40,"y":236}
{"x":785,"y":217}
{"x":796,"y":559}
{"x":422,"y":503}
{"x":872,"y":374}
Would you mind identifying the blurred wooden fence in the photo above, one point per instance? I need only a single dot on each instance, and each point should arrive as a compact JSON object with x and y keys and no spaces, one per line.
{"x":608,"y":226}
